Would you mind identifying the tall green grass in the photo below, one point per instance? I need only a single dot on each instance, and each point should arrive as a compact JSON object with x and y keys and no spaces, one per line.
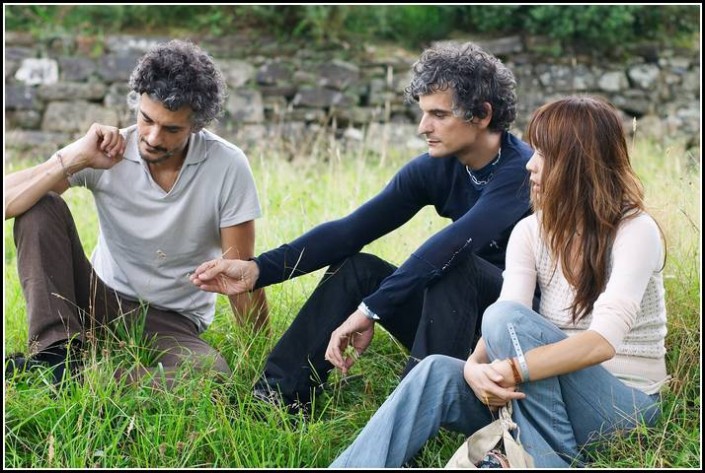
{"x":101,"y":423}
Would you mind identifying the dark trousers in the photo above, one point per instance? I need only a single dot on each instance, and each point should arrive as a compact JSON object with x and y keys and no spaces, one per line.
{"x":66,"y":300}
{"x":443,"y":319}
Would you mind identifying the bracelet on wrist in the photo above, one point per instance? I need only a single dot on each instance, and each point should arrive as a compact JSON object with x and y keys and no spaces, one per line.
{"x":515,"y":371}
{"x":67,"y":173}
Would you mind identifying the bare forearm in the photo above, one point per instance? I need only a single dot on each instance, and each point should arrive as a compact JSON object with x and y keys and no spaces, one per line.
{"x":24,"y":188}
{"x":572,"y":354}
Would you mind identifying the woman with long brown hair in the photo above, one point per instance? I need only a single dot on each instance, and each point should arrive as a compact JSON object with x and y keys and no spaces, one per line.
{"x":591,"y":361}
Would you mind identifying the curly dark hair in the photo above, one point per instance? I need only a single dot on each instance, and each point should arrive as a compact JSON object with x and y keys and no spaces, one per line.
{"x":474,"y":76}
{"x":177,"y":74}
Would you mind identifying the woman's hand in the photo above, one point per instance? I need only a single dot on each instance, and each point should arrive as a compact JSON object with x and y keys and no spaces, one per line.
{"x":492,"y":383}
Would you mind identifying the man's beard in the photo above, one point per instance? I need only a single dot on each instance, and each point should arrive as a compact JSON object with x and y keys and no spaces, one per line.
{"x":158,"y":160}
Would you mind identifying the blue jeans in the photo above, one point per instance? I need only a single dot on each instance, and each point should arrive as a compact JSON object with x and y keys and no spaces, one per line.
{"x":558,"y":417}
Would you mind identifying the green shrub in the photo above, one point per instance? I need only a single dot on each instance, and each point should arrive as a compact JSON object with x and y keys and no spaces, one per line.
{"x":603,"y":29}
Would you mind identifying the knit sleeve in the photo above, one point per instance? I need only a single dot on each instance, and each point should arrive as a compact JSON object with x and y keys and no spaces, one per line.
{"x":520,"y":273}
{"x":636,"y":255}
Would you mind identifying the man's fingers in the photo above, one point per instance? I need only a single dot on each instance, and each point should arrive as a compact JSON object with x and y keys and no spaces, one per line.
{"x":208,"y":270}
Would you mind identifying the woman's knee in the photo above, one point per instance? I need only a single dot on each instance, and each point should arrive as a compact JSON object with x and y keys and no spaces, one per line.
{"x":498,"y":316}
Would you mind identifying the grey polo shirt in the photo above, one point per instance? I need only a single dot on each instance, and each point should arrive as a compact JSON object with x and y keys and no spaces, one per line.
{"x":151,"y":240}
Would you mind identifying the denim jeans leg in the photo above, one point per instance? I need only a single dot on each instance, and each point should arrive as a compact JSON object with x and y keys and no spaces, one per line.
{"x":431,"y":396}
{"x":560,"y":415}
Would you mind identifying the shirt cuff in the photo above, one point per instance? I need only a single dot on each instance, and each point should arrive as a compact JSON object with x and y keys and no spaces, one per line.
{"x":366,"y":310}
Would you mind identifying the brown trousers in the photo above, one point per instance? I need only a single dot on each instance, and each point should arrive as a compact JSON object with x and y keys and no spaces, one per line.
{"x":67,"y":300}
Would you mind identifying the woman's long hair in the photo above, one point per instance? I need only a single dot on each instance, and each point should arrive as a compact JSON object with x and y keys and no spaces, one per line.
{"x":587,"y":188}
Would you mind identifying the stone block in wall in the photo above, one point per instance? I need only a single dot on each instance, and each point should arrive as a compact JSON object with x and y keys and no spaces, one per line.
{"x":613,"y":81}
{"x":235,"y":72}
{"x":644,"y":76}
{"x":229,"y":45}
{"x":360,"y":115}
{"x":503,"y":46}
{"x":76,"y":116}
{"x":337,"y":74}
{"x":76,"y":69}
{"x":307,"y":115}
{"x":245,"y":106}
{"x":692,"y":81}
{"x":389,"y":56}
{"x":23,"y":119}
{"x":321,"y":98}
{"x":398,"y":135}
{"x":38,"y":71}
{"x":286,"y":91}
{"x":127,"y":45}
{"x":21,"y":97}
{"x":567,"y":79}
{"x":304,"y":78}
{"x":35,"y":145}
{"x":116,"y":94}
{"x":117,"y":67}
{"x":275,"y":72}
{"x":91,"y":91}
{"x":689,"y":120}
{"x":634,"y":102}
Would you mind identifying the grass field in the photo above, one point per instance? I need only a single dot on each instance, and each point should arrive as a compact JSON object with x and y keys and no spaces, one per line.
{"x":99,"y":423}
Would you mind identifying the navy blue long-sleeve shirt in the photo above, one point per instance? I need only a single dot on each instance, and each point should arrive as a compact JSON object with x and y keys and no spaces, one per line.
{"x":482,"y":219}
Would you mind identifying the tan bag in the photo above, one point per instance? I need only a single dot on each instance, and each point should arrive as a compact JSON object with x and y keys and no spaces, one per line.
{"x":474,"y":449}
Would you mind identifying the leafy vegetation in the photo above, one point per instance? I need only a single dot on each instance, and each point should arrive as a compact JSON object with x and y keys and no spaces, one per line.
{"x":605,"y":28}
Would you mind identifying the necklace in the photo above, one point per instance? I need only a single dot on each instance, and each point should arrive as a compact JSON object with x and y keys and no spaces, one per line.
{"x":482,"y":182}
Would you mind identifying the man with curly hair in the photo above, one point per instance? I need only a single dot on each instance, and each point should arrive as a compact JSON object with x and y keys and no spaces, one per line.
{"x":473,"y":174}
{"x":169,"y":194}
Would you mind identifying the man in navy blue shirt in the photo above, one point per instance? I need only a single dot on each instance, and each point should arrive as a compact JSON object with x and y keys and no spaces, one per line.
{"x":473,"y":173}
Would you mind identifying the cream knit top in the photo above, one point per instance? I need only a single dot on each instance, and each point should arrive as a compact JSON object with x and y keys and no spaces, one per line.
{"x":631,"y":312}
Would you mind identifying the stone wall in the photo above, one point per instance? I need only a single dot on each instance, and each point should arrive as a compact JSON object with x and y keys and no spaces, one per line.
{"x":55,"y":89}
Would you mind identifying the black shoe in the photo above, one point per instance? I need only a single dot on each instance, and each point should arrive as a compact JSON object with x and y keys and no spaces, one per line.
{"x":62,"y":364}
{"x":265,"y":394}
{"x":18,"y":363}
